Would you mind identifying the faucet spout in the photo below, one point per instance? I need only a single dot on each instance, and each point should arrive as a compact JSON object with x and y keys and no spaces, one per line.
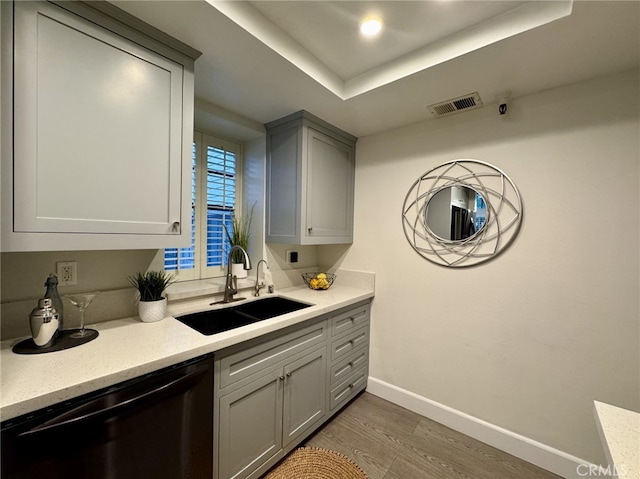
{"x":245,"y":257}
{"x":231,"y":283}
{"x":259,"y":285}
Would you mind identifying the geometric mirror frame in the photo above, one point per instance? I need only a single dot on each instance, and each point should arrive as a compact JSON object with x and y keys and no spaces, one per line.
{"x":462,"y":213}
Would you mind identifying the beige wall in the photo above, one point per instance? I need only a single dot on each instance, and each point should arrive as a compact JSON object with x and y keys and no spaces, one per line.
{"x":529,"y":340}
{"x":24,"y":274}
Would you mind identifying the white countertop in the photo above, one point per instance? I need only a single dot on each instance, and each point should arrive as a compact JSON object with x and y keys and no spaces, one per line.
{"x":127,"y":348}
{"x":620,"y":434}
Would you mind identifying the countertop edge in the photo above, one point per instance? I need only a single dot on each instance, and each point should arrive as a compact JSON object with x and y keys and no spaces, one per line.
{"x":619,"y":431}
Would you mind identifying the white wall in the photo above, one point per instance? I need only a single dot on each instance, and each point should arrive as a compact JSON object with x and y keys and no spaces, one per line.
{"x":530,"y":339}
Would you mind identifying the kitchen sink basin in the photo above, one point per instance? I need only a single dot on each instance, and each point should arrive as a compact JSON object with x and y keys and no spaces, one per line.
{"x":270,"y":307}
{"x":224,"y":319}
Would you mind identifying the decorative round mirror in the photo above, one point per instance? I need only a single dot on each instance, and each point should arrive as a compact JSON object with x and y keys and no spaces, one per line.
{"x":461,"y":213}
{"x":455,"y":213}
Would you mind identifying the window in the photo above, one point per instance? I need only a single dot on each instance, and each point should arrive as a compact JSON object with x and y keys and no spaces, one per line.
{"x":215,"y":197}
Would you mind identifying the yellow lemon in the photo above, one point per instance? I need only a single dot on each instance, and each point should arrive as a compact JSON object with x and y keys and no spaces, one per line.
{"x":321,"y":276}
{"x":313,"y":283}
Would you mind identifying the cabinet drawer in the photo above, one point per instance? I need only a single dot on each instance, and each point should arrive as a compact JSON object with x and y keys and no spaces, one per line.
{"x":243,"y":363}
{"x":346,"y":366}
{"x":350,"y":342}
{"x":349,"y":320}
{"x":349,"y":388}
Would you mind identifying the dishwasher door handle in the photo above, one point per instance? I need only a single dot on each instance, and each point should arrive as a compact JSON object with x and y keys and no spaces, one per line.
{"x":64,"y":419}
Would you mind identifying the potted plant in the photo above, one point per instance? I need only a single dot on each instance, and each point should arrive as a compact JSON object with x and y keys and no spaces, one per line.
{"x":151,"y":285}
{"x":239,"y":235}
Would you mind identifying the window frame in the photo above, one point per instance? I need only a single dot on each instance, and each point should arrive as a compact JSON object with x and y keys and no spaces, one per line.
{"x":202,"y":141}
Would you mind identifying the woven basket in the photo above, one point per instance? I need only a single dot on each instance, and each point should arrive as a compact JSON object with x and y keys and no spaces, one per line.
{"x":325,"y":284}
{"x":317,"y":463}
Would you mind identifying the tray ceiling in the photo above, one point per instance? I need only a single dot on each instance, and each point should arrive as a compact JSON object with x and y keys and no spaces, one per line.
{"x":322,"y":38}
{"x":263,"y":60}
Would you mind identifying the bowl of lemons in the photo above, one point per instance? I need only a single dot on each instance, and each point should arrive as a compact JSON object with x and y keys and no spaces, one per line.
{"x":319,"y":281}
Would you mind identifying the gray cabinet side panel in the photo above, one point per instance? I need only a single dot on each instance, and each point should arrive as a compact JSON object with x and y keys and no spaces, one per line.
{"x":283,"y":199}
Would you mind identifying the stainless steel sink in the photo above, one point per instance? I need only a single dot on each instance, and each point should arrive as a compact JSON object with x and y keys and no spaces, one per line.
{"x":219,"y":320}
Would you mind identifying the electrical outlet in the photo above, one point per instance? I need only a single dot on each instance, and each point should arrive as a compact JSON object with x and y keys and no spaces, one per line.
{"x":291,"y":256}
{"x":67,"y":272}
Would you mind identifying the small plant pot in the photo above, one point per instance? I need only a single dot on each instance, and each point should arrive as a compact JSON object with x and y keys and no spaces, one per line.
{"x":152,"y":311}
{"x":237,"y":269}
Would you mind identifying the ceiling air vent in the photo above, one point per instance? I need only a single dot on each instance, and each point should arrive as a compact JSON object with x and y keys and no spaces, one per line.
{"x":455,"y":105}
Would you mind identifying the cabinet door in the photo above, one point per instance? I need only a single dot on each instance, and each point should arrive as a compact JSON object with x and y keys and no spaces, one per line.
{"x":283,"y":172}
{"x":329,"y":196}
{"x":98,"y":129}
{"x":250,"y":426}
{"x":304,"y":394}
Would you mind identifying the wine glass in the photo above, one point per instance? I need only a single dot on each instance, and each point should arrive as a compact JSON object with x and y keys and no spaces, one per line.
{"x":81,"y":301}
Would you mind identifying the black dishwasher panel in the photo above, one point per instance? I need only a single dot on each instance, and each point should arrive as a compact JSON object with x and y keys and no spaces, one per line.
{"x":157,"y":426}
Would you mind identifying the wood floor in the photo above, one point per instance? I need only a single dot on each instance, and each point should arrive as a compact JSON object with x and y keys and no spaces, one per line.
{"x":390,"y":442}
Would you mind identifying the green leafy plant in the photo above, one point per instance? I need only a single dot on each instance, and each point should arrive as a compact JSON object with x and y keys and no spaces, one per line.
{"x":239,"y":234}
{"x":151,"y":284}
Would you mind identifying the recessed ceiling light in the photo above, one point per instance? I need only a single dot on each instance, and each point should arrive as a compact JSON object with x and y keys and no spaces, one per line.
{"x":371,"y":26}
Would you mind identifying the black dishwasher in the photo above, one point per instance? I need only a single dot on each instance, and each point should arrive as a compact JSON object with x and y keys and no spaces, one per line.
{"x":158,"y":426}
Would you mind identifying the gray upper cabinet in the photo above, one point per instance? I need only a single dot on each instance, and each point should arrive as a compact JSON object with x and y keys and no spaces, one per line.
{"x":310,"y":181}
{"x":102,"y":124}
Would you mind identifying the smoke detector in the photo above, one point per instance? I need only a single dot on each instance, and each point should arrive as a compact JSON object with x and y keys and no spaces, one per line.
{"x":455,"y":105}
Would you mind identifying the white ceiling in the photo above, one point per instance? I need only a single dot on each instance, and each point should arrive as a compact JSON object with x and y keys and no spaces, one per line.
{"x":266,"y":59}
{"x":328,"y":30}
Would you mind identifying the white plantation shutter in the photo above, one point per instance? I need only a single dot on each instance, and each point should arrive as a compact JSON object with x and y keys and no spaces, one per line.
{"x":181,"y":260}
{"x":221,"y":201}
{"x":215,"y":198}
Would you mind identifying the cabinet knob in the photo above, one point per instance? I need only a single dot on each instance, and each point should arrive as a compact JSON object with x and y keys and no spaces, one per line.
{"x":281,"y":378}
{"x":288,"y":375}
{"x":176,"y":226}
{"x":309,"y":230}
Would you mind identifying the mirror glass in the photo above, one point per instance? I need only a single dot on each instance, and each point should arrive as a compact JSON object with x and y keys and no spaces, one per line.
{"x":456,"y":213}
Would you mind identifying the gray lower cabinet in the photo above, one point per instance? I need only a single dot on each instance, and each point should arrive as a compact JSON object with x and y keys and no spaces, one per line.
{"x":304,"y":394}
{"x":349,"y":354}
{"x":274,"y":391}
{"x":260,"y":419}
{"x":250,"y":429}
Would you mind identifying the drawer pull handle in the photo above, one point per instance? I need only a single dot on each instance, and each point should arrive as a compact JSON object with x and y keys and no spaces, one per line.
{"x":352,"y":342}
{"x":351,"y":364}
{"x":351,"y":386}
{"x":176,"y":226}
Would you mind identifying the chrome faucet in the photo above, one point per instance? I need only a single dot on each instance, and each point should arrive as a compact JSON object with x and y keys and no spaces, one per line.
{"x":231,"y":283}
{"x":259,"y":286}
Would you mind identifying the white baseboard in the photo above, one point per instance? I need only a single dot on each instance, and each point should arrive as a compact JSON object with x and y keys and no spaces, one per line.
{"x":546,"y":457}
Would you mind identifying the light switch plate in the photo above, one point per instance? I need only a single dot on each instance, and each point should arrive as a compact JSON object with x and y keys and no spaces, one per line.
{"x":291,"y":256}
